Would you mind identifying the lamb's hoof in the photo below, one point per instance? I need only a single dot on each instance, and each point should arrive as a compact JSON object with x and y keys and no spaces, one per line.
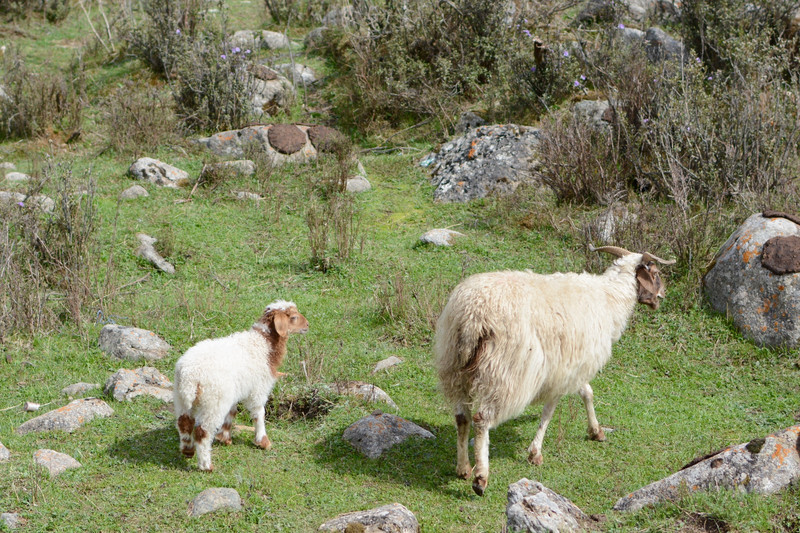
{"x":600,"y":435}
{"x":465,"y":473}
{"x":535,"y":458}
{"x":264,"y":443}
{"x":479,"y":485}
{"x":225,"y":439}
{"x":209,"y":468}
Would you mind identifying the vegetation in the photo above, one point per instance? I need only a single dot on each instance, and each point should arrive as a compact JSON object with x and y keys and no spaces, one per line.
{"x":693,"y":148}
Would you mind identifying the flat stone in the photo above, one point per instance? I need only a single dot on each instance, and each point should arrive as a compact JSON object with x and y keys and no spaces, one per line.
{"x":4,"y":453}
{"x":286,"y":138}
{"x":79,"y":388}
{"x":215,"y":499}
{"x":17,"y":177}
{"x":387,"y":363}
{"x":365,"y":391}
{"x":781,"y":255}
{"x":54,"y":462}
{"x":125,"y":342}
{"x":762,"y":466}
{"x":534,"y":508}
{"x":68,"y":418}
{"x":147,"y":250}
{"x":440,"y":237}
{"x":392,"y":518}
{"x":376,"y":433}
{"x":245,"y":195}
{"x":323,"y":137}
{"x":133,"y":192}
{"x":8,"y":165}
{"x":126,"y":384}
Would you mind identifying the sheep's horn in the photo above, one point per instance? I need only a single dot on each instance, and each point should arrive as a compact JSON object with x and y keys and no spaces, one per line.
{"x":647,"y":257}
{"x":614,"y":250}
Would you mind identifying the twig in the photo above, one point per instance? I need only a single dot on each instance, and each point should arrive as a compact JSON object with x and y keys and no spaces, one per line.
{"x":89,"y":20}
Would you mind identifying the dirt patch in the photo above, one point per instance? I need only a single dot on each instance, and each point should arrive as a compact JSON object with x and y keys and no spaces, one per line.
{"x":305,"y":405}
{"x":703,"y":523}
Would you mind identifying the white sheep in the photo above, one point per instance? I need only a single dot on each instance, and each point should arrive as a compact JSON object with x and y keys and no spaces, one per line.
{"x":508,"y":339}
{"x":214,"y":375}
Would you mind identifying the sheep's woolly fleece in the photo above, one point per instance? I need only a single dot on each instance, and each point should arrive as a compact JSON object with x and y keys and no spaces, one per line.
{"x":283,"y":305}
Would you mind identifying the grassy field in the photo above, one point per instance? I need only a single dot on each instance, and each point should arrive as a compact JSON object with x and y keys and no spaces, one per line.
{"x":681,"y":381}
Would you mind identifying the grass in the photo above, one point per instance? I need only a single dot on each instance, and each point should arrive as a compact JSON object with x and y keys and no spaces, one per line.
{"x":681,"y":382}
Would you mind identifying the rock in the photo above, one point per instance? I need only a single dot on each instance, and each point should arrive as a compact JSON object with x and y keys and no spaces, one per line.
{"x":41,"y":201}
{"x":244,"y":39}
{"x":158,"y":173}
{"x":387,"y":363}
{"x":366,"y":391}
{"x":54,"y":462}
{"x":211,"y":500}
{"x":299,"y":74}
{"x":244,"y":195}
{"x":17,"y":177}
{"x":273,"y":40}
{"x":232,"y":143}
{"x":4,"y":453}
{"x":11,"y":520}
{"x":534,"y":508}
{"x":7,"y":165}
{"x":147,"y":251}
{"x":440,"y":236}
{"x":392,"y":518}
{"x":468,"y":121}
{"x":315,"y":38}
{"x":126,"y":384}
{"x":358,"y":184}
{"x":376,"y":433}
{"x":270,"y":96}
{"x":339,"y":17}
{"x":660,"y":46}
{"x":133,"y":192}
{"x":632,"y":36}
{"x":125,"y":342}
{"x":612,"y":221}
{"x":762,"y":466}
{"x":595,"y":113}
{"x":487,"y":160}
{"x":239,"y":168}
{"x":781,"y":255}
{"x":638,"y":10}
{"x":286,"y":138}
{"x":68,"y":418}
{"x":12,"y":197}
{"x":764,"y":305}
{"x":323,"y":138}
{"x":79,"y":388}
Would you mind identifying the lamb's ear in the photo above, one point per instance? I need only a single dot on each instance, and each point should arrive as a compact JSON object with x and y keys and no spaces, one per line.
{"x":649,"y":285}
{"x":281,"y":323}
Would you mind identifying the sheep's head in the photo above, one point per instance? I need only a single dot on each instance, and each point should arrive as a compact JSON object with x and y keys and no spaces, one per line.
{"x":650,"y":288}
{"x":284,"y":318}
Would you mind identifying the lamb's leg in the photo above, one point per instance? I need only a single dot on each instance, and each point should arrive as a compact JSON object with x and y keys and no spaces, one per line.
{"x":261,"y":439}
{"x":535,"y":449}
{"x":185,"y":425}
{"x":202,"y":439}
{"x":463,"y":468}
{"x":224,"y":435}
{"x":595,"y":431}
{"x":482,"y":422}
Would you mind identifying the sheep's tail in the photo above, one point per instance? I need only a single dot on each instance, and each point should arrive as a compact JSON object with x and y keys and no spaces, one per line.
{"x":185,"y":393}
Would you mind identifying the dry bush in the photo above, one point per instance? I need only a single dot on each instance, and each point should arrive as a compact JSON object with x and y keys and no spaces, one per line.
{"x":53,"y":10}
{"x":138,"y":120}
{"x":409,"y":310}
{"x":303,"y":12}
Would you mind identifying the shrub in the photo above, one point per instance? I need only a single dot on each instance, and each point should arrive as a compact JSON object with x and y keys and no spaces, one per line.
{"x":53,"y":10}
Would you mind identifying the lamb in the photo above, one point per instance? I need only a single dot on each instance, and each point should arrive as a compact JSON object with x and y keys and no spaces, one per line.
{"x":214,"y":375}
{"x":507,"y":339}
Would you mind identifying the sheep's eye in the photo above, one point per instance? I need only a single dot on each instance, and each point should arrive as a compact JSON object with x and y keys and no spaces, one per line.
{"x":294,"y":318}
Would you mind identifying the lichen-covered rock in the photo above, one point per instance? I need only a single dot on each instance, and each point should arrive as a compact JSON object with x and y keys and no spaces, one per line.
{"x":68,"y":418}
{"x":270,"y":96}
{"x":392,"y":518}
{"x":158,"y":173}
{"x":534,"y":508}
{"x":660,"y":46}
{"x":231,"y":144}
{"x":440,"y":236}
{"x":762,"y":466}
{"x":487,"y":160}
{"x":215,"y":499}
{"x":125,"y":342}
{"x":376,"y":433}
{"x":765,"y":306}
{"x":126,"y":384}
{"x":54,"y":462}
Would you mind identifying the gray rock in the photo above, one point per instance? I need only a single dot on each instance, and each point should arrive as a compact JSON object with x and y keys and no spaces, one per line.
{"x":299,"y":74}
{"x":68,"y":418}
{"x":440,"y":236}
{"x":45,"y":203}
{"x":339,"y":17}
{"x":269,"y":96}
{"x":392,"y":518}
{"x":4,"y":453}
{"x":595,"y":113}
{"x":147,"y":251}
{"x":245,"y":195}
{"x":358,"y":184}
{"x":632,"y":36}
{"x":376,"y":433}
{"x":534,"y":508}
{"x":365,"y":391}
{"x":387,"y":363}
{"x":158,"y":173}
{"x":79,"y":388}
{"x":640,"y":10}
{"x":126,"y":384}
{"x":762,"y":466}
{"x":12,"y":197}
{"x":273,"y":40}
{"x":215,"y":499}
{"x":54,"y":462}
{"x":244,"y":39}
{"x":133,"y":192}
{"x":487,"y":160}
{"x":238,"y":168}
{"x":125,"y":342}
{"x":315,"y":38}
{"x":11,"y":520}
{"x":764,"y":306}
{"x":17,"y":177}
{"x":8,"y":165}
{"x":660,"y":46}
{"x":231,"y":144}
{"x":468,"y":121}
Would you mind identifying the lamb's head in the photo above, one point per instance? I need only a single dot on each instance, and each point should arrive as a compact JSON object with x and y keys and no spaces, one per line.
{"x":283,"y":318}
{"x":650,"y":287}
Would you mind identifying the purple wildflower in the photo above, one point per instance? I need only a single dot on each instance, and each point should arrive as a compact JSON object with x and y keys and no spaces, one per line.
{"x":621,"y":26}
{"x":223,"y":56}
{"x":21,"y":204}
{"x":533,"y":69}
{"x":526,"y":32}
{"x":583,"y":78}
{"x":178,"y":31}
{"x":577,"y":83}
{"x":566,"y":53}
{"x":711,"y":77}
{"x":237,"y":50}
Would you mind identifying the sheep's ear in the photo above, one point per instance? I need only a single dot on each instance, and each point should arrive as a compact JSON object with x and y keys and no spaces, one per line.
{"x":649,"y":285}
{"x":281,"y":322}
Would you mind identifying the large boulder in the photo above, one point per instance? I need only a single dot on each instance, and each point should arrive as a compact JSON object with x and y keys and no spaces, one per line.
{"x":392,"y":518}
{"x":68,"y":418}
{"x":763,"y":466}
{"x":755,"y":280}
{"x":487,"y":160}
{"x":282,"y":142}
{"x":534,"y":508}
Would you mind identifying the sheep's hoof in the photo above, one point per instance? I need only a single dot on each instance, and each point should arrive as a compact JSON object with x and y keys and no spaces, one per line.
{"x":264,"y":443}
{"x":535,"y":458}
{"x":464,"y":473}
{"x":209,"y":468}
{"x":599,"y":435}
{"x":224,"y":439}
{"x":479,"y":485}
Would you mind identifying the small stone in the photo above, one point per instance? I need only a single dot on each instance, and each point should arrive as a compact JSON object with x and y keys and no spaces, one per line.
{"x":79,"y":388}
{"x":12,"y":197}
{"x":11,"y":520}
{"x":54,"y":462}
{"x":17,"y":177}
{"x":534,"y":508}
{"x":158,"y":173}
{"x":244,"y":195}
{"x":440,"y":236}
{"x":4,"y":453}
{"x":126,"y":384}
{"x":358,"y":184}
{"x":147,"y":251}
{"x":214,"y":499}
{"x":41,"y":201}
{"x":272,"y":40}
{"x":133,"y":192}
{"x":365,"y":391}
{"x":387,"y":363}
{"x":8,"y":165}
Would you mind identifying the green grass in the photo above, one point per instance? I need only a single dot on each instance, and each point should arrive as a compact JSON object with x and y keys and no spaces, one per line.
{"x":681,"y":381}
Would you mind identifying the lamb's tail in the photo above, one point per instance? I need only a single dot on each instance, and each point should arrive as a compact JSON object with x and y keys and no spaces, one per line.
{"x":185,"y":393}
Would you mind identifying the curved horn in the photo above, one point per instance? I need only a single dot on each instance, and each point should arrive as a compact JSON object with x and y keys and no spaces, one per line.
{"x":614,"y":250}
{"x":647,"y":257}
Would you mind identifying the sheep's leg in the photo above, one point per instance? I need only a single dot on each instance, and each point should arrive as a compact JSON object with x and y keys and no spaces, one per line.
{"x":535,"y":449}
{"x":224,"y":435}
{"x":463,"y":468}
{"x":595,"y":431}
{"x":261,"y":439}
{"x":185,"y":425}
{"x":482,"y":422}
{"x":202,"y":439}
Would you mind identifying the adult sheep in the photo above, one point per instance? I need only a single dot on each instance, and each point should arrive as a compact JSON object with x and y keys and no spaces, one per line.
{"x":508,"y":339}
